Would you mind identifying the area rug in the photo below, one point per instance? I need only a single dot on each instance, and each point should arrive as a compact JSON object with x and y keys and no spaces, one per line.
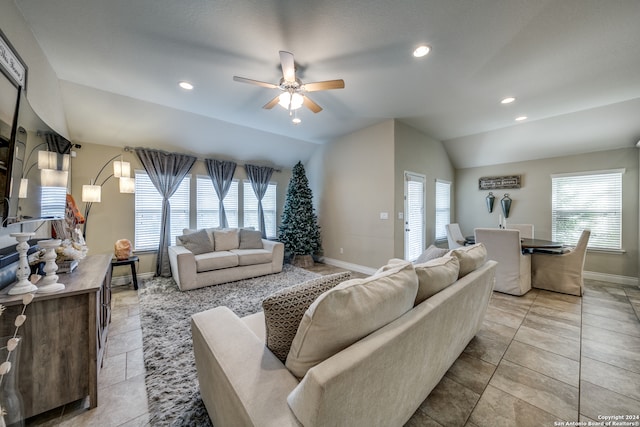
{"x":165,"y":313}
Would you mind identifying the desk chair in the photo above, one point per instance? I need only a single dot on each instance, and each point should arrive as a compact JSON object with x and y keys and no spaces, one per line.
{"x":526,"y":230}
{"x":561,"y":272}
{"x":454,"y":236}
{"x":513,"y":273}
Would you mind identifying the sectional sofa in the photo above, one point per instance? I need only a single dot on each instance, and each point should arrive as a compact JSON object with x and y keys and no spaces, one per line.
{"x":367,"y":352}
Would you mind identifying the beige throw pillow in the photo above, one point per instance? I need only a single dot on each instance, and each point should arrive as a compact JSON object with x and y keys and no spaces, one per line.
{"x":284,"y":309}
{"x":226,"y":239}
{"x":432,"y":252}
{"x":470,"y":257}
{"x":349,"y":312}
{"x":435,"y":275}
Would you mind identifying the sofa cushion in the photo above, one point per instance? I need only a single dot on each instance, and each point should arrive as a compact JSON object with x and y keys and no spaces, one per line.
{"x":215,"y":261}
{"x":197,"y":242}
{"x":432,"y":252}
{"x":470,"y":257}
{"x":435,"y":275}
{"x":250,"y":239}
{"x":252,"y":256}
{"x":349,"y":312}
{"x":284,"y":309}
{"x":226,"y":239}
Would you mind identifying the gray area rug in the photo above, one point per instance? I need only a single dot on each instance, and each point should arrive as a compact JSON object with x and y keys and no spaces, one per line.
{"x":165,"y":313}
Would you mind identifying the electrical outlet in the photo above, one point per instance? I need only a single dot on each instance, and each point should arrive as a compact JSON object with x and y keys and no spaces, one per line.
{"x":384,"y":215}
{"x":341,"y":250}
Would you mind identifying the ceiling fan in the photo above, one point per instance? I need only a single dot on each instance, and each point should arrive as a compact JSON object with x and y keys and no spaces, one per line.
{"x":293,"y":94}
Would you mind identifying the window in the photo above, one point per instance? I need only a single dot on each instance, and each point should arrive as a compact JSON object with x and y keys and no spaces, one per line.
{"x":588,"y":200}
{"x":443,"y":208}
{"x":148,"y":210}
{"x":208,"y":214}
{"x":268,"y":207}
{"x":53,"y":201}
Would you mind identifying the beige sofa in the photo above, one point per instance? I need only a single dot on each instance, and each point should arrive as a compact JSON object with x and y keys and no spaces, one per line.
{"x":380,"y":380}
{"x":234,"y":254}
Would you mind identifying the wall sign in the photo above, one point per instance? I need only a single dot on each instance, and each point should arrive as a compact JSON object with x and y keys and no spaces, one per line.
{"x":11,"y":64}
{"x":497,"y":182}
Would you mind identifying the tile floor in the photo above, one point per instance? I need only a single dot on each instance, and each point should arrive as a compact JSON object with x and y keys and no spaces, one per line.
{"x":540,"y":359}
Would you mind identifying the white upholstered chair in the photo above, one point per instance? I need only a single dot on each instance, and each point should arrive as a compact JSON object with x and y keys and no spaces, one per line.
{"x":513,"y":273}
{"x":454,"y":236}
{"x":526,"y":230}
{"x":561,"y":272}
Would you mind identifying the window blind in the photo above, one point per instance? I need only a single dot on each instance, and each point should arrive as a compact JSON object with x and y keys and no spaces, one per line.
{"x":443,"y":208}
{"x":53,"y":202}
{"x":269,"y":203}
{"x":148,"y":212}
{"x":591,"y":200}
{"x":414,"y":220}
{"x":207,"y":211}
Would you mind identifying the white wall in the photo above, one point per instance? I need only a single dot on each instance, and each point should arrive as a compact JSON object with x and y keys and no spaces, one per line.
{"x":352,"y":179}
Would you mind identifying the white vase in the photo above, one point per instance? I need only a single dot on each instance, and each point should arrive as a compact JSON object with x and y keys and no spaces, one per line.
{"x":11,"y":406}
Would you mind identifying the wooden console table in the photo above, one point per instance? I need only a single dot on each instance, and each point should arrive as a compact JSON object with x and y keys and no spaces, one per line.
{"x":64,"y":337}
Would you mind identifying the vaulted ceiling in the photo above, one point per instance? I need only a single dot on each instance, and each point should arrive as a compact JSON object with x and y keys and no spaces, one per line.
{"x":573,"y":66}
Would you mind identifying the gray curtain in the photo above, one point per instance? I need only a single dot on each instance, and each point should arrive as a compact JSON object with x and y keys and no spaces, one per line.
{"x":166,"y":171}
{"x":221,"y":174}
{"x":259,"y":177}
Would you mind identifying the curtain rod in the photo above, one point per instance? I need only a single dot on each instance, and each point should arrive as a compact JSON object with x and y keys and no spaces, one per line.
{"x":131,"y":149}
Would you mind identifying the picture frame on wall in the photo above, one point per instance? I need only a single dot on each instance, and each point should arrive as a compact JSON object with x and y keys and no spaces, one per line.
{"x":11,"y":64}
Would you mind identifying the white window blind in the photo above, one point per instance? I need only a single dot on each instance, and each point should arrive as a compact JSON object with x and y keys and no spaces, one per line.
{"x":590,"y":200}
{"x":414,"y":216}
{"x":208,"y":214}
{"x":148,"y":212}
{"x":269,"y":203}
{"x":443,"y":208}
{"x":53,"y":202}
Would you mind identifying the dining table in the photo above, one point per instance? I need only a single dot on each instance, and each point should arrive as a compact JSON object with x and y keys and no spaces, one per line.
{"x":532,"y":245}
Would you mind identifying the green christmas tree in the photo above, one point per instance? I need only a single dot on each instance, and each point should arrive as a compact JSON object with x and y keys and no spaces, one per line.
{"x":299,"y":229}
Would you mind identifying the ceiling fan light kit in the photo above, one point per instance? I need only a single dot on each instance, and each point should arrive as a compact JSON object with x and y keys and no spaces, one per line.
{"x":293,"y":94}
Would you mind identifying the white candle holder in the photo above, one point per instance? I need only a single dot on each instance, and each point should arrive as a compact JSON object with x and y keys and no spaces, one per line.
{"x":23,"y":285}
{"x":49,"y":283}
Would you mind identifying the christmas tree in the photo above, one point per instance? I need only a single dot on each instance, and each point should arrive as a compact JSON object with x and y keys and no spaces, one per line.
{"x":299,"y":229}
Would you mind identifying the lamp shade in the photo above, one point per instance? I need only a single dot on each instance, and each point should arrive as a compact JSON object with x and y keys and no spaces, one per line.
{"x":66,"y":161}
{"x":127,"y":185}
{"x":47,"y":160}
{"x":24,"y":185}
{"x":53,"y":178}
{"x":121,"y":169}
{"x":91,"y":193}
{"x":294,"y":98}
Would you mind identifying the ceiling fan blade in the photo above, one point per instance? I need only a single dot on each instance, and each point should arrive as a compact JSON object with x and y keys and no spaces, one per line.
{"x":269,"y":105}
{"x":254,"y":82}
{"x":311,"y":105}
{"x":326,"y":85}
{"x":288,"y":66}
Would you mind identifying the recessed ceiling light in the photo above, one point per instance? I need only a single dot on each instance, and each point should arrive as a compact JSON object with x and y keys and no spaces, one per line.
{"x":508,"y":100}
{"x":421,"y":51}
{"x":185,"y":85}
{"x":521,"y":118}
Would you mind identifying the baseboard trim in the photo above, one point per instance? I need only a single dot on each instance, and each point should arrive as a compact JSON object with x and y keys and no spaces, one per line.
{"x":611,"y":278}
{"x":127,"y":279}
{"x":349,"y":266}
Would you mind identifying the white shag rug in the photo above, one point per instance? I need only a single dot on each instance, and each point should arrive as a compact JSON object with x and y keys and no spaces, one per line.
{"x":165,"y":313}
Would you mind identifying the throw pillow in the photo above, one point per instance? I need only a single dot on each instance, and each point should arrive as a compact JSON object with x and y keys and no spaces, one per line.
{"x":349,"y":312}
{"x":197,"y":242}
{"x":432,"y":252}
{"x":284,"y":309}
{"x":250,"y":239}
{"x":470,"y":257}
{"x":435,"y":275}
{"x":226,"y":239}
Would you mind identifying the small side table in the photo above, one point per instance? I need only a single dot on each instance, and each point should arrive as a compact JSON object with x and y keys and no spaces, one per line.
{"x":127,"y":261}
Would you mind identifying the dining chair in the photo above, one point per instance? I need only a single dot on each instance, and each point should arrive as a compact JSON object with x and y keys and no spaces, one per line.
{"x":513,"y":273}
{"x":526,"y":230}
{"x":561,"y":272}
{"x":454,"y":236}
